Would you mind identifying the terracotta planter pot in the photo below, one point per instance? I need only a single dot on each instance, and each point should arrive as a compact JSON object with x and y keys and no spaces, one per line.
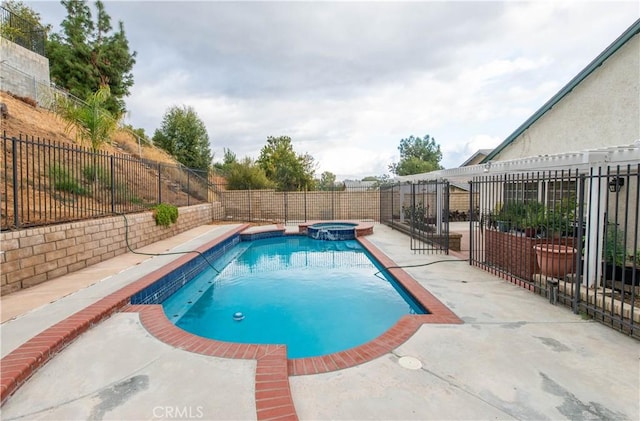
{"x":555,"y":260}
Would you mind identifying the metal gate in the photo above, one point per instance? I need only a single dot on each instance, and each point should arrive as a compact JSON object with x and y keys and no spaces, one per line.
{"x":570,"y":235}
{"x":421,"y":210}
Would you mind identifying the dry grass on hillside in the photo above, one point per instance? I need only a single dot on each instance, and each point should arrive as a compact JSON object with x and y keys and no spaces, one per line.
{"x":37,"y":122}
{"x":40,"y":199}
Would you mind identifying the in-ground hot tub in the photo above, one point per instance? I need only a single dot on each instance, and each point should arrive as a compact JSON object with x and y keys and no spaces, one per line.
{"x":334,"y":231}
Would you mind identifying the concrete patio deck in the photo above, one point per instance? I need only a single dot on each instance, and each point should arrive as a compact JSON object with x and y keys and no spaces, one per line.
{"x":515,"y":357}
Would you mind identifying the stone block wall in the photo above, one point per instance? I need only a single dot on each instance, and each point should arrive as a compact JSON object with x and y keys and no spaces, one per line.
{"x":269,"y":205}
{"x":32,"y":256}
{"x":24,"y":72}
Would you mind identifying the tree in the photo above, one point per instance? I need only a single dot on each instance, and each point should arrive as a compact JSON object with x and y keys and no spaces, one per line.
{"x":27,"y":30}
{"x":247,"y":175}
{"x":284,"y":167}
{"x":138,"y":133}
{"x":228,"y":162}
{"x":417,"y":155}
{"x":184,"y":136}
{"x":86,"y":56}
{"x":91,"y":119}
{"x":380,"y":181}
{"x":327,"y":181}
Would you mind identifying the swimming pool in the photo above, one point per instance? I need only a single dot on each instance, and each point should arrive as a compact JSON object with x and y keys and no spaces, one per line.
{"x":317,"y":297}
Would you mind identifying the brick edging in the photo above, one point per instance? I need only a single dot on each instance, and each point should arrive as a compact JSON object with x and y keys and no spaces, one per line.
{"x":17,"y":366}
{"x":272,"y":390}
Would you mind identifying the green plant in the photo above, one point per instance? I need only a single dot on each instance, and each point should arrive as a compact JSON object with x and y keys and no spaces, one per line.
{"x":91,"y":120}
{"x":560,"y":218}
{"x":534,"y":215}
{"x":511,"y":214}
{"x":64,"y":181}
{"x":165,"y":215}
{"x":97,"y":173}
{"x":614,"y":248}
{"x":415,"y":213}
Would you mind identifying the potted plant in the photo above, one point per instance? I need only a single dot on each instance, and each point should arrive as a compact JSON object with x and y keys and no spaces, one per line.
{"x":557,"y":257}
{"x":556,"y":260}
{"x":509,"y":215}
{"x":532,"y":219}
{"x":418,"y":217}
{"x":559,"y":220}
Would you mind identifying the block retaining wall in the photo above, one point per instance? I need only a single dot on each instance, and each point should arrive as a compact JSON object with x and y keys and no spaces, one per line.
{"x":32,"y":256}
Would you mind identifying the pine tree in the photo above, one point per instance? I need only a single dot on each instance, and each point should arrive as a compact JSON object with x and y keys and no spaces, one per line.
{"x":86,"y":56}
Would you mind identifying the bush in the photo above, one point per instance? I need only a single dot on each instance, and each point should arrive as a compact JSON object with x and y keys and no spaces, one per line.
{"x":63,"y":180}
{"x":614,"y":247}
{"x":97,"y":173}
{"x":165,"y":215}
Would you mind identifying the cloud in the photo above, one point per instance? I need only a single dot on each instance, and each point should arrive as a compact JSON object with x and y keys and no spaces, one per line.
{"x":348,"y":80}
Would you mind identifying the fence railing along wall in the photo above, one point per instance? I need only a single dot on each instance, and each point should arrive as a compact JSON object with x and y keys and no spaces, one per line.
{"x":21,"y":32}
{"x":299,"y":206}
{"x":44,"y":182}
{"x":571,"y":236}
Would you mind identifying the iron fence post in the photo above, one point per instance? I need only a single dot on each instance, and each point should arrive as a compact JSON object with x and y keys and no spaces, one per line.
{"x":16,"y":219}
{"x":284,"y":198}
{"x":471,"y":218}
{"x":578,"y":280}
{"x":333,"y":192}
{"x":113,"y":184}
{"x":159,"y":183}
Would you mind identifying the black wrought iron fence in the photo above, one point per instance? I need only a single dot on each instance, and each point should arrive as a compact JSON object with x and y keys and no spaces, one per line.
{"x":361,"y":204}
{"x":421,"y":210}
{"x":22,"y":32}
{"x":568,"y":235}
{"x":44,"y":182}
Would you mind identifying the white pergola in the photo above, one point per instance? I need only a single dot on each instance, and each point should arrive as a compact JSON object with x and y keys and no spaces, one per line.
{"x":585,"y":162}
{"x":582,"y":161}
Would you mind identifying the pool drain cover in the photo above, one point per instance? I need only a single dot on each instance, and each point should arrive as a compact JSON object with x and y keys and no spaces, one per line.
{"x":410,"y":363}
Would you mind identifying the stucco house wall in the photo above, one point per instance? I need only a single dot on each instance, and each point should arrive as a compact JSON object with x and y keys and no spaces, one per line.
{"x":602,"y":110}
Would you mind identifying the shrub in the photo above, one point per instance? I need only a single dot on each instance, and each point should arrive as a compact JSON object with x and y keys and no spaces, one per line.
{"x":614,"y":249}
{"x":65,"y":181}
{"x":97,"y":173}
{"x":165,"y":215}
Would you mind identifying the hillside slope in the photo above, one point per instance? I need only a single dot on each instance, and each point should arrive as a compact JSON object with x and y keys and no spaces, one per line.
{"x":36,"y":122}
{"x":63,"y":184}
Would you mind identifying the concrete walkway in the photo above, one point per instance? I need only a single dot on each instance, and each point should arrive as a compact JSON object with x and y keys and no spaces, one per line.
{"x":515,"y":357}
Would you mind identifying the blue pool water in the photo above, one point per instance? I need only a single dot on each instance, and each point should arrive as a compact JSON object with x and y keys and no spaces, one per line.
{"x":317,"y":297}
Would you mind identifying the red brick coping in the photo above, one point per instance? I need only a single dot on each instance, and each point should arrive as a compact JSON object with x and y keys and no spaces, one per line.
{"x":272,"y":390}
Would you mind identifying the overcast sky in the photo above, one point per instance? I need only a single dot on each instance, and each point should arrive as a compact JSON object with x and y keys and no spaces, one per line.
{"x":348,"y":80}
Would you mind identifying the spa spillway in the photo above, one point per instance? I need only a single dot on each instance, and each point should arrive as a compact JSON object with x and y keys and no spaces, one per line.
{"x":333,"y":231}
